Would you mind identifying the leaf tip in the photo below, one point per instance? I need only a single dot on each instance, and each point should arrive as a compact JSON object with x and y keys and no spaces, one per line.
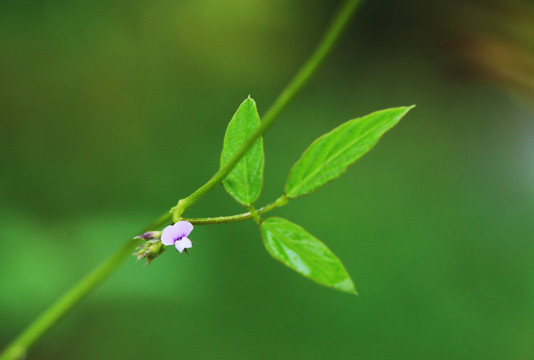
{"x":347,"y":286}
{"x":247,"y":102}
{"x":408,"y":108}
{"x":352,"y":289}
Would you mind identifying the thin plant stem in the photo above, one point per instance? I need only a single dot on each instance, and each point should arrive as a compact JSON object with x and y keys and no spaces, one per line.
{"x":18,"y":348}
{"x":20,"y":345}
{"x":281,"y":201}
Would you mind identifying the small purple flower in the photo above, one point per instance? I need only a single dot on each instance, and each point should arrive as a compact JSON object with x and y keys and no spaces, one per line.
{"x":177,"y":235}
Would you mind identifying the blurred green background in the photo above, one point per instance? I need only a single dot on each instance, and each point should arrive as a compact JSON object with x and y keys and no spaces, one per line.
{"x":112,"y":110}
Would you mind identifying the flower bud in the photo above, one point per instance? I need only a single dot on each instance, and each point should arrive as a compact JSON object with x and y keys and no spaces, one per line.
{"x":150,"y":250}
{"x":150,"y":235}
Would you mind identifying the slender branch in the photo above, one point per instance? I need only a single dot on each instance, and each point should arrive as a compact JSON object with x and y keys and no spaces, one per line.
{"x":332,"y":35}
{"x":18,"y":348}
{"x":20,"y":345}
{"x":281,"y":201}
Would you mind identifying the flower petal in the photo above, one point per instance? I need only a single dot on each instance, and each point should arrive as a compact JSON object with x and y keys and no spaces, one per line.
{"x":183,"y":228}
{"x":183,"y":243}
{"x":169,"y":235}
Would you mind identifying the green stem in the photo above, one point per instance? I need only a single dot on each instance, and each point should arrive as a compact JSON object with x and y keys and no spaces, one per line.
{"x":340,"y":22}
{"x":281,"y":201}
{"x":20,"y":345}
{"x":18,"y":348}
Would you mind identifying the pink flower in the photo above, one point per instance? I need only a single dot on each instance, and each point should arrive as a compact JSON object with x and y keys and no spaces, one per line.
{"x":177,"y":235}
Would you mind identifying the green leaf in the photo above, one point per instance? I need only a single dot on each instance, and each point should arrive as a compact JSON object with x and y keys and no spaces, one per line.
{"x":331,"y":154}
{"x":302,"y":252}
{"x":244,"y":182}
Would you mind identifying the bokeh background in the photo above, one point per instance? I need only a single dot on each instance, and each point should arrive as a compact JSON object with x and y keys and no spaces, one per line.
{"x":112,"y":110}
